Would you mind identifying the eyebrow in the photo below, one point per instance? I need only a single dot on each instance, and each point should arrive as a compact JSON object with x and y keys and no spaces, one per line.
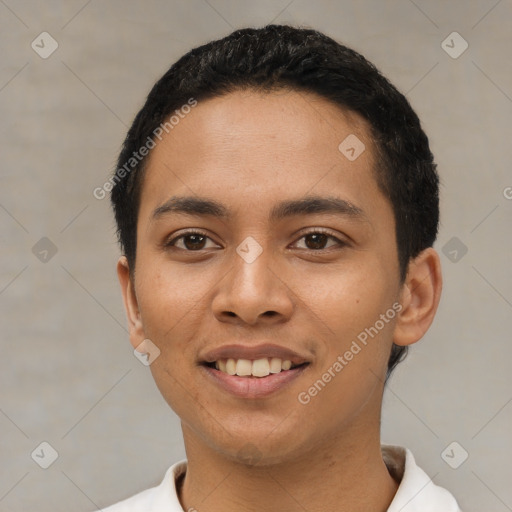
{"x":191,"y":205}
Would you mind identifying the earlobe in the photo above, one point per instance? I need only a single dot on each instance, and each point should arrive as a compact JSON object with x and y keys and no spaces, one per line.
{"x":131,"y":305}
{"x":420,"y":297}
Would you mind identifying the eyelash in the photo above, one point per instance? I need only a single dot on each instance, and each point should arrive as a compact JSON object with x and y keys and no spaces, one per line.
{"x":172,"y":242}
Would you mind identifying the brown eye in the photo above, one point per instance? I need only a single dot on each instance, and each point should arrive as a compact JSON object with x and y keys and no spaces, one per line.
{"x":318,"y":240}
{"x":191,"y":241}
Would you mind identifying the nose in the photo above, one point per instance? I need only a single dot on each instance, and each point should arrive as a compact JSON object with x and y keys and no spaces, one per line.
{"x":253,"y":292}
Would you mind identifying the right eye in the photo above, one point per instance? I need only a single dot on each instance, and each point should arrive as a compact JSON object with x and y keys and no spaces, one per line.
{"x":190,"y":241}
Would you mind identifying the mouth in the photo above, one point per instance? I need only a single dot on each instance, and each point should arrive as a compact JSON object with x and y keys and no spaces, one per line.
{"x":252,"y":372}
{"x":258,"y":368}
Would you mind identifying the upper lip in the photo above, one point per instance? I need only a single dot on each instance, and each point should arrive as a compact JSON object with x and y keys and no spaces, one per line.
{"x":252,"y":352}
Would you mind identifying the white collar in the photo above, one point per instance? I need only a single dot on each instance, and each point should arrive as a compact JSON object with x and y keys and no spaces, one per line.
{"x":416,"y":491}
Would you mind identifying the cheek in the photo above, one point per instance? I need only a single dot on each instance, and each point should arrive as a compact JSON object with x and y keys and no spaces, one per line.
{"x":171,"y":312}
{"x":349,"y":300}
{"x":351,"y":368}
{"x":356,"y":309}
{"x":167,"y":297}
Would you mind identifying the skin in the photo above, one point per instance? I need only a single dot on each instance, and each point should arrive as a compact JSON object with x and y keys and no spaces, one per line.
{"x":248,"y":151}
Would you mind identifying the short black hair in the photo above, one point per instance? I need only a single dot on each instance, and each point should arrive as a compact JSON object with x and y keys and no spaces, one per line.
{"x":302,"y":59}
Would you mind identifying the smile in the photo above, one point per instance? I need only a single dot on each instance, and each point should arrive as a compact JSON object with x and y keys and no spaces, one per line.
{"x":262,"y":367}
{"x":252,"y":371}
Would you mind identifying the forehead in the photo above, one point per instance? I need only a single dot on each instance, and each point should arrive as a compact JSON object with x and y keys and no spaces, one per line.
{"x":283,"y":119}
{"x":260,"y":146}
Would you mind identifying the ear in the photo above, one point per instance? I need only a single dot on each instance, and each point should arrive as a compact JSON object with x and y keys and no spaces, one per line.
{"x":131,"y":305}
{"x":420,"y":297}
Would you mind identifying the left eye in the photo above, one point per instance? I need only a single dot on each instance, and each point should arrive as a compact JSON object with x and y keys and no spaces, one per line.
{"x":316,"y":240}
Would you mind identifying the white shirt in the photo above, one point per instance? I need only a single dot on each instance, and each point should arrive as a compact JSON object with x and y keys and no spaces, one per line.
{"x":416,"y":492}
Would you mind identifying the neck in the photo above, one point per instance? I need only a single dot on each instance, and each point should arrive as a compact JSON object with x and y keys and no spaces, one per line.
{"x":321,"y":478}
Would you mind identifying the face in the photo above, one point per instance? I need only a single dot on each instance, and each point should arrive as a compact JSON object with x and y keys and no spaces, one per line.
{"x":293,"y":261}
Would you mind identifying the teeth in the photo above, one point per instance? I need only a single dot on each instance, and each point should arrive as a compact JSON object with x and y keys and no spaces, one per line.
{"x":243,"y":367}
{"x":275,"y":365}
{"x":260,"y":368}
{"x":230,"y":366}
{"x":257,"y":368}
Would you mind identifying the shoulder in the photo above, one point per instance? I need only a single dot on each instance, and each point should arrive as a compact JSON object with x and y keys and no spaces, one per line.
{"x":161,"y":497}
{"x":416,"y":491}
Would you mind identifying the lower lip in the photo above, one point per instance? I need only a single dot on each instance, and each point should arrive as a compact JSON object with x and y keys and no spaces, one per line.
{"x":253,"y":387}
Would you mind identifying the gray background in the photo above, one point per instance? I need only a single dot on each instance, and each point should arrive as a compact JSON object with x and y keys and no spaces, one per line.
{"x":68,"y":375}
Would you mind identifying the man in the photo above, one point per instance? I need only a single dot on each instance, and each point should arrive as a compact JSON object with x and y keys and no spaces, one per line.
{"x":277,"y":202}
